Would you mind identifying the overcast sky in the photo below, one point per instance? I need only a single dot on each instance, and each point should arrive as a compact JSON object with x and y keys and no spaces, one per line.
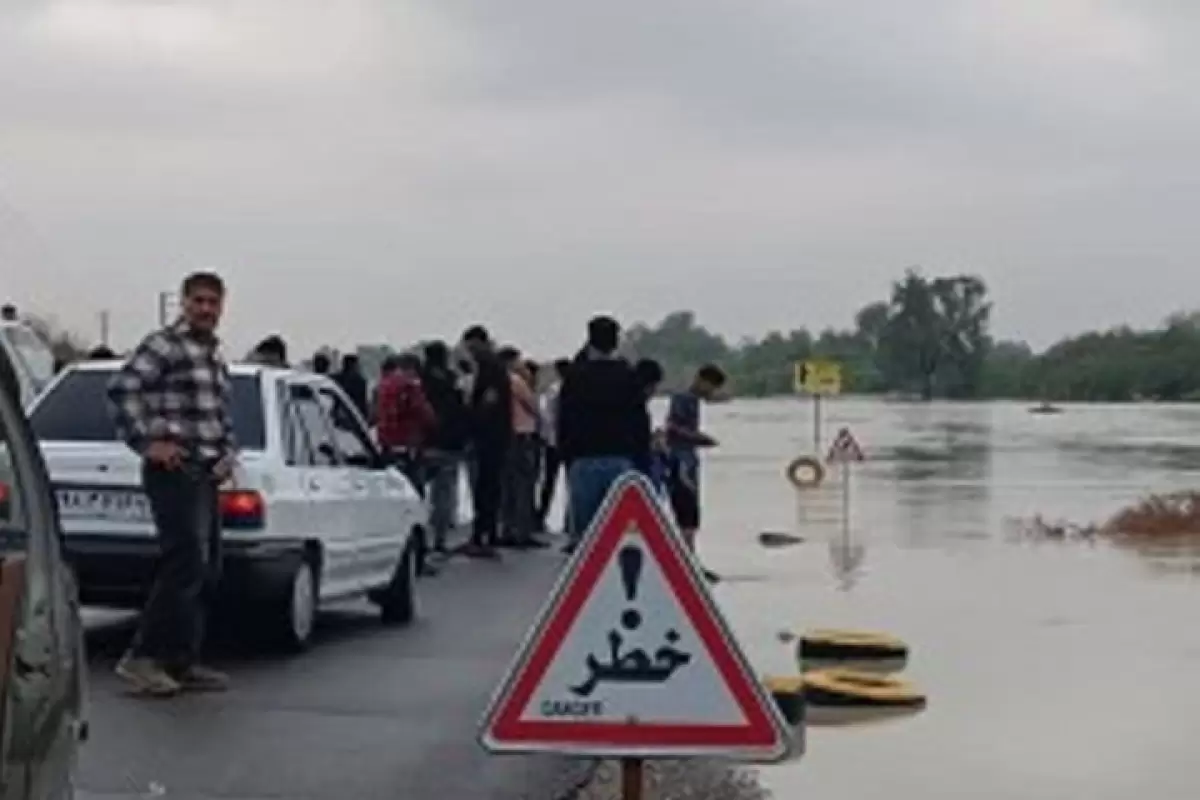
{"x":383,"y":170}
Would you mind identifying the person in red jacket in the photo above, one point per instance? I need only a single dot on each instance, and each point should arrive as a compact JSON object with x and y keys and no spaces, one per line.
{"x":404,"y":421}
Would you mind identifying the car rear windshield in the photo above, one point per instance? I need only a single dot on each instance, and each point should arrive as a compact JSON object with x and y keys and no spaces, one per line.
{"x":76,"y":410}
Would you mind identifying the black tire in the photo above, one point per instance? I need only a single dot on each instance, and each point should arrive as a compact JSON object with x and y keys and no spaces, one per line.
{"x":292,"y":611}
{"x":398,"y":600}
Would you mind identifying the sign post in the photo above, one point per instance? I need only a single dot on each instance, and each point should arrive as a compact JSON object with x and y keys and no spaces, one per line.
{"x":845,"y":451}
{"x":817,"y":378}
{"x":631,"y":658}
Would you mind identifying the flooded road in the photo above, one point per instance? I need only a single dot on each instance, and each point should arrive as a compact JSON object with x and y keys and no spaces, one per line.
{"x":1053,"y":669}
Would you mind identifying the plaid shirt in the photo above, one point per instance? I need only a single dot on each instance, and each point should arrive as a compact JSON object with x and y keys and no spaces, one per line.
{"x":175,"y":387}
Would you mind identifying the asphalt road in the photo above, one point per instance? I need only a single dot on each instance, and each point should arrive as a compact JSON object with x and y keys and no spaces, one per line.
{"x":369,"y":712}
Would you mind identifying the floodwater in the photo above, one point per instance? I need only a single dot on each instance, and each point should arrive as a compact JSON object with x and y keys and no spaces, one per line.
{"x":1054,"y":670}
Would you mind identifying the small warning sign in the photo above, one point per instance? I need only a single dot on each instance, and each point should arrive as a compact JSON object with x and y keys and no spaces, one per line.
{"x":631,"y":657}
{"x":845,"y":449}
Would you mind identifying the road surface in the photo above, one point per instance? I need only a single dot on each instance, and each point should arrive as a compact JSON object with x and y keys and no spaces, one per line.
{"x":370,"y":712}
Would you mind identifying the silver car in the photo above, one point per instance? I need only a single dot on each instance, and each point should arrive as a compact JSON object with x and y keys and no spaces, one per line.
{"x":42,"y":663}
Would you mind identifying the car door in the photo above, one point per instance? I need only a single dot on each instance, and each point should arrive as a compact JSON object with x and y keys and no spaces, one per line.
{"x":329,"y":486}
{"x":378,"y":535}
{"x":42,"y":701}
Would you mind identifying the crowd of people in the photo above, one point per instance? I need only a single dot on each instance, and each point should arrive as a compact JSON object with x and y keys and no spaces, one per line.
{"x":435,"y":414}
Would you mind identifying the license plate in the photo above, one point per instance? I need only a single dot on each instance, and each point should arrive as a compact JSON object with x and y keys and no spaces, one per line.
{"x":103,"y":504}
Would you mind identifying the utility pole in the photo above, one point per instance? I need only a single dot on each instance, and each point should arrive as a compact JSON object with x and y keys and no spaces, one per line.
{"x":164,"y":301}
{"x":104,"y":323}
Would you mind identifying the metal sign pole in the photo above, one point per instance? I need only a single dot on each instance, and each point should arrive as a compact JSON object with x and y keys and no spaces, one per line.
{"x":846,"y":503}
{"x":631,"y":779}
{"x":817,"y":425}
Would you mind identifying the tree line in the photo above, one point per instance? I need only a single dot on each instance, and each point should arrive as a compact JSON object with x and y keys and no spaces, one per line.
{"x":931,"y":338}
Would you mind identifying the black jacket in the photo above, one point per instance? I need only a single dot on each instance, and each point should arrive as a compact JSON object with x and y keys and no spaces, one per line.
{"x":355,"y":387}
{"x":602,"y":412}
{"x":490,"y":405}
{"x":449,"y":405}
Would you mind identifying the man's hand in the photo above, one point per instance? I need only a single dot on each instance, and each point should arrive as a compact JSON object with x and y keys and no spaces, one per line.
{"x":164,"y":454}
{"x":222,"y":471}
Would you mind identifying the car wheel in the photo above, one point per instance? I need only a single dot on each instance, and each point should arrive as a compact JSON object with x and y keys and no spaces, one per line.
{"x":398,"y":600}
{"x":295,"y":608}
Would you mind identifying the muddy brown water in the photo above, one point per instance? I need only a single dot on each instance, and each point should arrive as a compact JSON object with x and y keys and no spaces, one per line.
{"x":1054,"y":670}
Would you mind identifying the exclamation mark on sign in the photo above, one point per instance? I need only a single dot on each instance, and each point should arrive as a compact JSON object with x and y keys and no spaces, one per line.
{"x":629,"y":561}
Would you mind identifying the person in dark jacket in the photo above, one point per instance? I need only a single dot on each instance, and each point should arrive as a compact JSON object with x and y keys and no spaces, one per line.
{"x":602,"y":431}
{"x":353,"y":383}
{"x":447,"y":443}
{"x":490,"y":408}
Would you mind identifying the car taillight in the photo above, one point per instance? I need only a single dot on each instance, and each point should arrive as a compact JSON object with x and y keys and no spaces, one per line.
{"x":3,"y":500}
{"x":242,"y":509}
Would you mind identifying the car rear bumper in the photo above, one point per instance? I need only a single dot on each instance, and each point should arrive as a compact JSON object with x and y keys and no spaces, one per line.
{"x":117,"y":571}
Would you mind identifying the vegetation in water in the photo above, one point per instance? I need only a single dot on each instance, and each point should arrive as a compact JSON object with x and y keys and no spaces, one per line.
{"x":1158,"y":517}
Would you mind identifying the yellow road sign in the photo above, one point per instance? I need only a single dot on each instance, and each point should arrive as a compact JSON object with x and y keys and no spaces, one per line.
{"x":818,"y":377}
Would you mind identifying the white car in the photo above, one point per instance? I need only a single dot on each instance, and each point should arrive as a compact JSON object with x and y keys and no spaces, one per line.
{"x":313,"y":514}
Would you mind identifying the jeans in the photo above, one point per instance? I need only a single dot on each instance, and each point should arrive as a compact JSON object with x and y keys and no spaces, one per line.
{"x":184,"y":503}
{"x":520,"y":479}
{"x":442,"y":468}
{"x":588,"y":482}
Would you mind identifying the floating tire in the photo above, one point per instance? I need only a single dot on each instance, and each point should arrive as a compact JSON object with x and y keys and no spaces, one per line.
{"x":788,"y":693}
{"x":854,"y":689}
{"x":842,"y":645}
{"x":805,"y":473}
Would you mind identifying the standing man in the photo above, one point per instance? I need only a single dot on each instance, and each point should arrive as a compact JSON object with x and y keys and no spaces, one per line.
{"x":520,"y":472}
{"x":684,"y":441}
{"x":552,"y":461}
{"x":270,"y":352}
{"x":170,"y":402}
{"x":353,"y":383}
{"x":447,"y":443}
{"x":602,"y":431}
{"x":320,"y":363}
{"x":490,"y":408}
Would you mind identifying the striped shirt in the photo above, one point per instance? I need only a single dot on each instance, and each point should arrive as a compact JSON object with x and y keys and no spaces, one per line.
{"x":175,"y":387}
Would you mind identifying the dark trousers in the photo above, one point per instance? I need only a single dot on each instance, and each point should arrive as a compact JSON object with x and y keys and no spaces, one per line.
{"x":552,"y":465}
{"x":519,"y":484}
{"x":486,"y":490}
{"x":184,"y":503}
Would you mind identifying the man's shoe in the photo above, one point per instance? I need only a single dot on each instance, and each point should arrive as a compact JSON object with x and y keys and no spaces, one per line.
{"x":427,"y":570}
{"x":147,"y":676}
{"x":570,"y":547}
{"x":203,"y":679}
{"x":534,"y":543}
{"x":711,"y":576}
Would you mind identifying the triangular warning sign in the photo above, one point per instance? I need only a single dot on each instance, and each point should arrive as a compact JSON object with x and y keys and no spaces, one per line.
{"x":631,"y":657}
{"x":845,"y":448}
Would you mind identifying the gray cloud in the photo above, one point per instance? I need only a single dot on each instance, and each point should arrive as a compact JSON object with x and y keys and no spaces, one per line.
{"x":371,"y":170}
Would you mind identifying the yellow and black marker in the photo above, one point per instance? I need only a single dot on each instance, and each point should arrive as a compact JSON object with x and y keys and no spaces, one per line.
{"x":842,"y":645}
{"x":852,"y":688}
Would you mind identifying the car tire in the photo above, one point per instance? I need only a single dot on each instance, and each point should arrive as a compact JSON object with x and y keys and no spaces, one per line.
{"x":294,"y":609}
{"x":398,"y":600}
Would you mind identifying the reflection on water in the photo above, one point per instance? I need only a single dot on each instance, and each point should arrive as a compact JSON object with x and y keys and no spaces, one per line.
{"x":1030,"y":652}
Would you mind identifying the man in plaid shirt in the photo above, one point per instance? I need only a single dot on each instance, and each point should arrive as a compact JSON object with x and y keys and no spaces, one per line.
{"x":171,"y":403}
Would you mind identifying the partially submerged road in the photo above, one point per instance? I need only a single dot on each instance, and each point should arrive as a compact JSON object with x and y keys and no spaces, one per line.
{"x":370,"y":712}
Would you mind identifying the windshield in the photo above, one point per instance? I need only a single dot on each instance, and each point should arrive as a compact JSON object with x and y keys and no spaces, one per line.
{"x":32,"y":353}
{"x":76,"y":410}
